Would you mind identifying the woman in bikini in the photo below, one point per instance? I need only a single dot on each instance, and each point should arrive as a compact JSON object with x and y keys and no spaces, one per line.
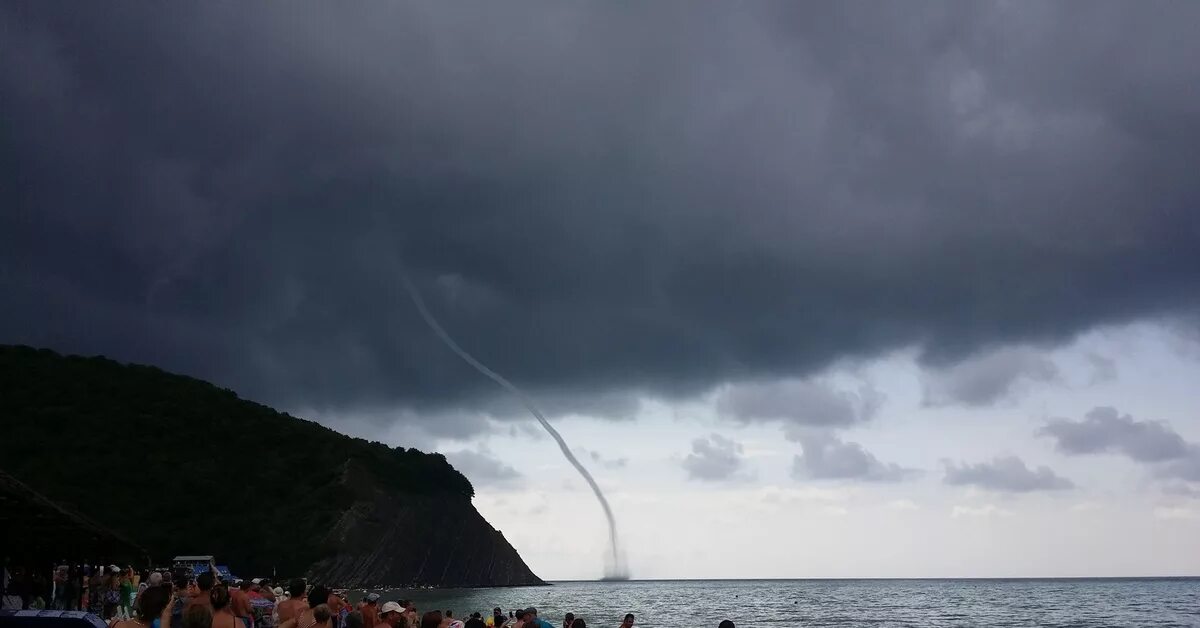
{"x":319,"y":617}
{"x":223,"y":616}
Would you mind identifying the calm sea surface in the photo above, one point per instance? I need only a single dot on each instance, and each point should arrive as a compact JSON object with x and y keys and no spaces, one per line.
{"x":877,"y":603}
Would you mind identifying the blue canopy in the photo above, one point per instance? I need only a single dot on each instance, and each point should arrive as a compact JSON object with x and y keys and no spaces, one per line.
{"x":221,"y":569}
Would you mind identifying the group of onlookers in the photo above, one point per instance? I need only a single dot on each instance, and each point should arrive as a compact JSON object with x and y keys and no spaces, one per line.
{"x":154,"y":599}
{"x":105,"y":590}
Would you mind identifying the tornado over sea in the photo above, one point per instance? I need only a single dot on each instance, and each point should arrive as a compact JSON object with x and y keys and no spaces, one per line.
{"x":614,"y":567}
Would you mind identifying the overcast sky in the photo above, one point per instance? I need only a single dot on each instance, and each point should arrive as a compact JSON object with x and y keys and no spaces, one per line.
{"x":838,"y":289}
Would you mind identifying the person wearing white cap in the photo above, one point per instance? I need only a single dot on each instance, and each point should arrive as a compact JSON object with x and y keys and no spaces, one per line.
{"x":390,"y":615}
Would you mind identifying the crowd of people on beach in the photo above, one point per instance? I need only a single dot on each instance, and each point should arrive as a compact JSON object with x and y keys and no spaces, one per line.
{"x":126,"y":598}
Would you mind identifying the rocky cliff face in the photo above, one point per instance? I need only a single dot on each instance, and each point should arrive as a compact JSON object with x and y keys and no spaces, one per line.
{"x":394,"y":539}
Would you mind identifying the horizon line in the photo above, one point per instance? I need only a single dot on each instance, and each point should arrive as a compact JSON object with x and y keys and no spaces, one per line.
{"x":813,"y":578}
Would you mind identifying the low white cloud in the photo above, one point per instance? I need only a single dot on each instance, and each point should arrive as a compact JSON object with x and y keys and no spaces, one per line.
{"x":902,"y":505}
{"x":780,"y":494}
{"x":987,"y":510}
{"x":1182,"y":489}
{"x":1177,"y":513}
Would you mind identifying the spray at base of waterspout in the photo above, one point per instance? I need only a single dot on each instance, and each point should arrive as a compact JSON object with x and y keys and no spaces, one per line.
{"x":615,"y":567}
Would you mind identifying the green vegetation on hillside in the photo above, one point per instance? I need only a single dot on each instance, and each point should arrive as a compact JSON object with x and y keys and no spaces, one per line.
{"x":183,"y":467}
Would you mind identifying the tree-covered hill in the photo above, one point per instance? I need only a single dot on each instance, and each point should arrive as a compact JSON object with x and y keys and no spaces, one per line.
{"x":184,"y":467}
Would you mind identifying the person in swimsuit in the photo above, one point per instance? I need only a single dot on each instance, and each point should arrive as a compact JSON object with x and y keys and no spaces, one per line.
{"x":112,"y":593}
{"x":262,"y":605}
{"x":202,"y":595}
{"x":95,"y":593}
{"x":150,"y":607}
{"x":223,"y":616}
{"x":197,"y":616}
{"x":126,"y":584}
{"x":370,"y":610}
{"x":308,"y":618}
{"x":322,"y":617}
{"x":292,"y":607}
{"x":240,"y":603}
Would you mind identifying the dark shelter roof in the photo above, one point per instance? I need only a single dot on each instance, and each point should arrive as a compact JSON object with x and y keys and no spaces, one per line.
{"x":37,"y":529}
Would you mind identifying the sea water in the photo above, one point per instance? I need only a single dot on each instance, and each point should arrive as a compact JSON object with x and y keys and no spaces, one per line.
{"x":704,"y":603}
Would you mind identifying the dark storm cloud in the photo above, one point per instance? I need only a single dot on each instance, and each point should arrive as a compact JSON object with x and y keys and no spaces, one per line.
{"x":1105,"y":430}
{"x":629,"y":199}
{"x":1005,"y":474}
{"x":827,"y":457}
{"x":715,"y":458}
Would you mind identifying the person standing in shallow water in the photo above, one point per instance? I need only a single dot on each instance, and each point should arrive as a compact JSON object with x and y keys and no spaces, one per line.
{"x":628,"y":623}
{"x":726,"y":624}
